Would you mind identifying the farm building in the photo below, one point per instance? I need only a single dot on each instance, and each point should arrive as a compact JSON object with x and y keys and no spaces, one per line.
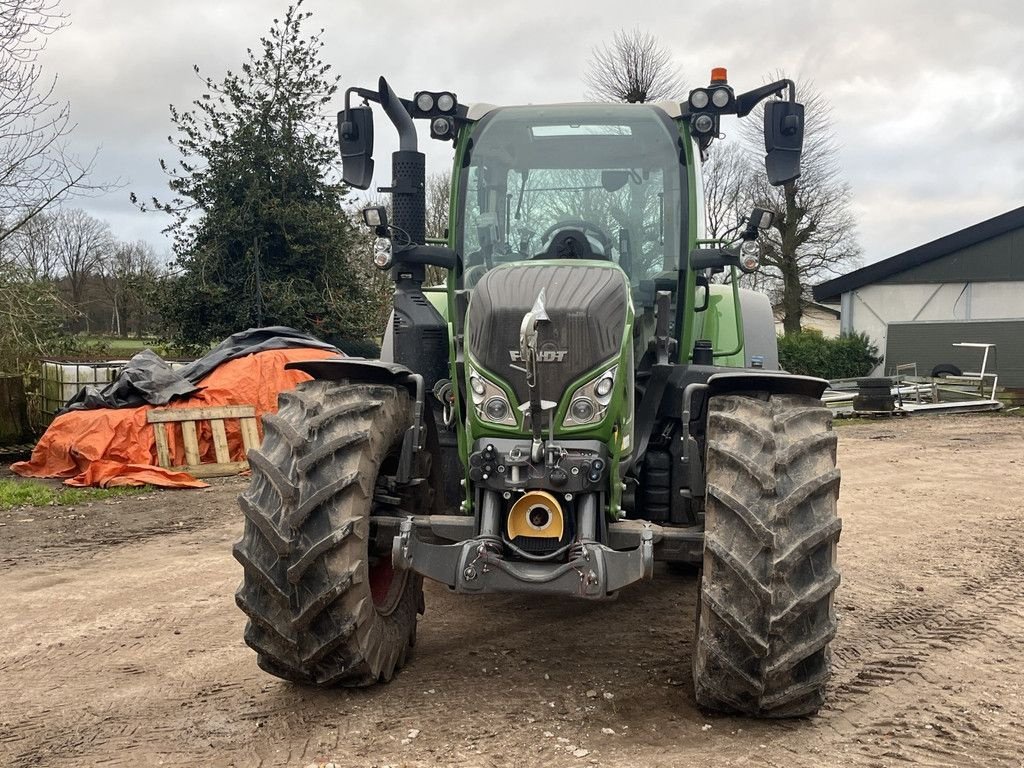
{"x":964,"y":287}
{"x":818,"y":317}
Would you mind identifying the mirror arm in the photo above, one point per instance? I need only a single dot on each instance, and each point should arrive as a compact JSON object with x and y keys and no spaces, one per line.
{"x":364,"y":93}
{"x":745,"y":102}
{"x":431,"y":255}
{"x":703,"y":258}
{"x":367,"y":95}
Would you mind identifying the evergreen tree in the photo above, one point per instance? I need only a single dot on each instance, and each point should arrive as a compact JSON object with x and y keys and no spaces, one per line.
{"x":260,"y":236}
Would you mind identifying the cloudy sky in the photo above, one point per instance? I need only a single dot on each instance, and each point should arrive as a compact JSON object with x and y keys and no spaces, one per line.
{"x":926,"y":95}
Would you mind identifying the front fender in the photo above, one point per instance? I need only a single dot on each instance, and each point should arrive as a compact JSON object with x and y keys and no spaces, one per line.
{"x":360,"y":369}
{"x":766,"y":381}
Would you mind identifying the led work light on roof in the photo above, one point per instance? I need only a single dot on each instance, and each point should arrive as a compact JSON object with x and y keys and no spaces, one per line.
{"x":704,"y":123}
{"x":445,"y":102}
{"x":424,"y":101}
{"x":434,"y":104}
{"x":721,"y":97}
{"x":442,"y":128}
{"x":716,"y":99}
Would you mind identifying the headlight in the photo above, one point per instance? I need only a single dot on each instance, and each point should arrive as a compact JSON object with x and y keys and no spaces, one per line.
{"x":496,"y":409}
{"x":489,"y":400}
{"x":589,"y":403}
{"x":582,"y":410}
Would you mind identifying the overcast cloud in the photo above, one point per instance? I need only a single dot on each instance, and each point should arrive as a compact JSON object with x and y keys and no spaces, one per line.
{"x":926,"y":96}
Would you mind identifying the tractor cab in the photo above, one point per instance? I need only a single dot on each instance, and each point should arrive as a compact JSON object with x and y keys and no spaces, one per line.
{"x":577,"y":181}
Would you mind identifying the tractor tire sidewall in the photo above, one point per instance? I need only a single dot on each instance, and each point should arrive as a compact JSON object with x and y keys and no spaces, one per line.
{"x":305,"y":544}
{"x":765,"y":614}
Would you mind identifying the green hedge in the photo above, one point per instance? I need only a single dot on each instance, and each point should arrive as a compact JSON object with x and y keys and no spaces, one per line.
{"x":810,"y":354}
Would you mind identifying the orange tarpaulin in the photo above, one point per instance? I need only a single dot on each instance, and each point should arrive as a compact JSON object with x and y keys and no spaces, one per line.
{"x":108,"y":446}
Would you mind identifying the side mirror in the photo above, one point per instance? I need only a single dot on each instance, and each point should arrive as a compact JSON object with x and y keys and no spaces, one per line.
{"x":613,"y":181}
{"x":783,"y":140}
{"x":760,"y":218}
{"x":355,"y":134}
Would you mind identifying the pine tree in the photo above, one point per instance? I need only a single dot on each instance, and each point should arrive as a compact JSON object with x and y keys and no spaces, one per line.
{"x":260,"y":235}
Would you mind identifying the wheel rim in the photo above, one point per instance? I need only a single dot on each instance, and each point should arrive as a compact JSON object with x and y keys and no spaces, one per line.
{"x":386,"y":585}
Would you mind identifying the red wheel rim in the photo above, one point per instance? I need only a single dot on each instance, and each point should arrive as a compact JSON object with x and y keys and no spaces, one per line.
{"x":385,"y":585}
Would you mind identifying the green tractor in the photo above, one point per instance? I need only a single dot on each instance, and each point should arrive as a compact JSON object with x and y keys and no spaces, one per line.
{"x":582,"y":399}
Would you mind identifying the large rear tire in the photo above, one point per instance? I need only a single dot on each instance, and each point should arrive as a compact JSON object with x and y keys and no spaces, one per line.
{"x":323,"y":608}
{"x":765,"y":616}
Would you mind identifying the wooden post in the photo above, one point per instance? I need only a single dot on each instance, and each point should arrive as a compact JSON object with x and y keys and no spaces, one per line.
{"x":14,"y":426}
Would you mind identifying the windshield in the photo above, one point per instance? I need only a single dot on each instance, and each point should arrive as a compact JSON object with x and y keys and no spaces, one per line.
{"x":610,"y":172}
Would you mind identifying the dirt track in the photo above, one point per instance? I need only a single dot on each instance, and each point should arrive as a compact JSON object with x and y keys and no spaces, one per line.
{"x":123,"y":645}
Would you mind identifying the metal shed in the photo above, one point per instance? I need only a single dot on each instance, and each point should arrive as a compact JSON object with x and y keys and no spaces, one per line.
{"x":966,"y":286}
{"x":929,"y":344}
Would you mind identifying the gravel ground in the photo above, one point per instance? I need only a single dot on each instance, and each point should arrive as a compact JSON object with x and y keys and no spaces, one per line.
{"x":122,"y":645}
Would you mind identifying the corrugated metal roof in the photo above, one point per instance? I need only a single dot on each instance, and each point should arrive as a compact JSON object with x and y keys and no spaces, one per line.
{"x":831,"y":290}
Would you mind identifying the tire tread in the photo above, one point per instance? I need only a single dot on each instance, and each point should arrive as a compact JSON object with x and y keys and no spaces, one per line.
{"x":765,"y":613}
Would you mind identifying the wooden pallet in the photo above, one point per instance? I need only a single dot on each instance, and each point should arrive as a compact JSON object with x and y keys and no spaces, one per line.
{"x":162,"y":420}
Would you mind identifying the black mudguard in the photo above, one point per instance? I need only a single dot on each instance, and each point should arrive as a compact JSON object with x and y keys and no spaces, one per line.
{"x":775,"y":382}
{"x":357,"y":369}
{"x":422,"y":451}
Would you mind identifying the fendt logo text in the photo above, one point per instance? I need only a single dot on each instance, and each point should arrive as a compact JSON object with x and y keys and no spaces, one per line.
{"x":543,"y":355}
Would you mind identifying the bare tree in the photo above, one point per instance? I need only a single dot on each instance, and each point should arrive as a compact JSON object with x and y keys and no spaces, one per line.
{"x":36,"y":169}
{"x":635,"y":68}
{"x":33,"y":248}
{"x":31,"y":319}
{"x":129,"y":275}
{"x":82,"y":243}
{"x":439,"y":192}
{"x":726,"y":175}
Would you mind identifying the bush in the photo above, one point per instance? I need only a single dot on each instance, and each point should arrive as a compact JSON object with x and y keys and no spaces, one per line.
{"x":810,"y":354}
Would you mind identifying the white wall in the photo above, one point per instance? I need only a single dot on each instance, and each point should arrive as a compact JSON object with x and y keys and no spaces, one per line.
{"x":812,"y":317}
{"x":871,"y":308}
{"x":997,"y":301}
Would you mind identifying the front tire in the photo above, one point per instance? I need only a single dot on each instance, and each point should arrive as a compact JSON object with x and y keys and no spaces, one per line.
{"x":323,"y":608}
{"x":765,"y":614}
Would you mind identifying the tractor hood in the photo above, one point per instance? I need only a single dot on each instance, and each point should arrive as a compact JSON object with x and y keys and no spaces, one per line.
{"x":586,"y":308}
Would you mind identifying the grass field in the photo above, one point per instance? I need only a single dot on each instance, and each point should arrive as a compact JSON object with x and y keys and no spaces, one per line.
{"x":30,"y":493}
{"x":117,"y":343}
